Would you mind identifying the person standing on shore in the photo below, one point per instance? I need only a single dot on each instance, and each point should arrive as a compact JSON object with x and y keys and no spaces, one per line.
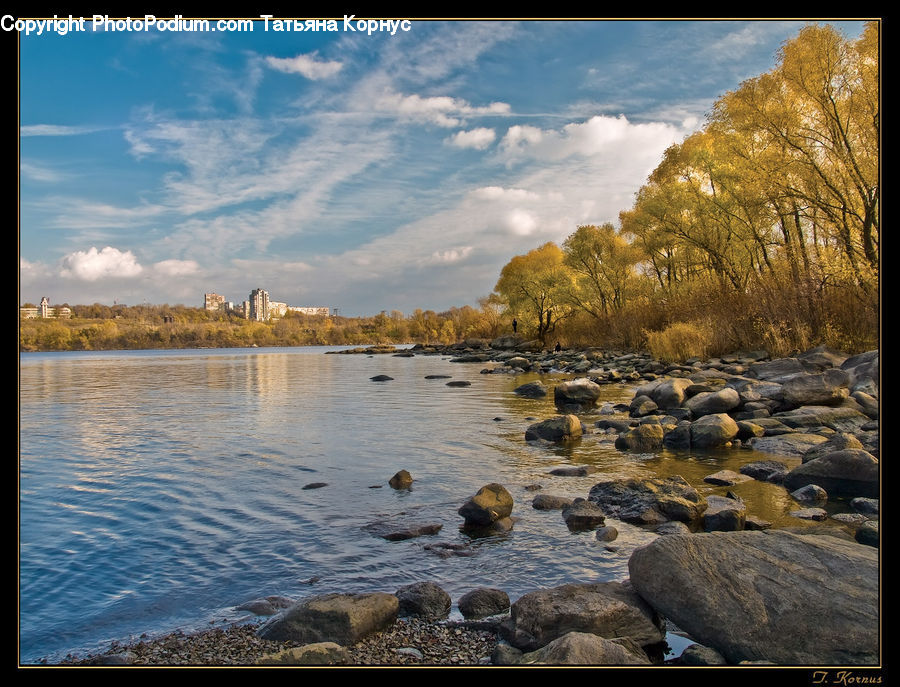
{"x":515,"y":325}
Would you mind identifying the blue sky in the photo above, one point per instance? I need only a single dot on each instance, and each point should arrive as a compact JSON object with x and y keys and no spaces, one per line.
{"x":361,"y":172}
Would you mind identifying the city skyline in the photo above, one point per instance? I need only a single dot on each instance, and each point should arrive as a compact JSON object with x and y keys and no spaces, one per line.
{"x":374,"y":172}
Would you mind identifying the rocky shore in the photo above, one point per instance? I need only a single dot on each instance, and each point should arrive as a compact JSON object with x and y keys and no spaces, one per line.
{"x":716,"y":574}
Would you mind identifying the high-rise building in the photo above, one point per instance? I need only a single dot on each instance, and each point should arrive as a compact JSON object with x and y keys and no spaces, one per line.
{"x":213,"y":301}
{"x":259,"y":305}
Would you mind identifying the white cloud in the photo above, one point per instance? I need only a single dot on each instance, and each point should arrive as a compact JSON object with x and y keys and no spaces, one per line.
{"x":56,"y":130}
{"x":92,"y":264}
{"x":479,"y":138}
{"x":519,"y":135}
{"x":176,"y":268}
{"x":520,"y":222}
{"x":500,"y":193}
{"x":441,"y":110}
{"x":40,"y":173}
{"x":449,"y":256}
{"x":307,"y":65}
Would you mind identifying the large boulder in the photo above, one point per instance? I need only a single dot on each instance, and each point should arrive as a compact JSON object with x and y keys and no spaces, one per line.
{"x":712,"y":402}
{"x":838,"y":441}
{"x":823,"y":357}
{"x":723,"y":514}
{"x":852,"y":472}
{"x":671,"y":392}
{"x":766,"y":596}
{"x":606,"y":609}
{"x":713,"y":430}
{"x":550,"y":502}
{"x":862,"y":368}
{"x":777,"y":370}
{"x":583,"y":649}
{"x":649,"y":501}
{"x":825,"y":389}
{"x":506,"y":343}
{"x":531,"y":390}
{"x":423,"y":599}
{"x":643,"y":438}
{"x":794,"y":445}
{"x":839,"y":419}
{"x":583,"y":515}
{"x":401,"y":480}
{"x":318,"y":654}
{"x":580,"y":392}
{"x":341,"y":618}
{"x":561,"y":428}
{"x":483,"y":603}
{"x":491,"y":503}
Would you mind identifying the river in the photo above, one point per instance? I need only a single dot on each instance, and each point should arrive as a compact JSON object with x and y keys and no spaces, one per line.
{"x":159,"y":489}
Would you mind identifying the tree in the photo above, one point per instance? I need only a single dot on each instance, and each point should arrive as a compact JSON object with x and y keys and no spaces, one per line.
{"x":535,"y":286}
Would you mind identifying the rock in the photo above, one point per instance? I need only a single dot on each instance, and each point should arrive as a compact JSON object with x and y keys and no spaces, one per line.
{"x":776,"y":370}
{"x":612,"y":423}
{"x":836,"y":442}
{"x":459,"y":382}
{"x":584,"y":648}
{"x":852,"y":472}
{"x":578,"y":392}
{"x":340,"y":618}
{"x":852,"y":519}
{"x":710,"y":403}
{"x":574,"y":471}
{"x":641,"y":406}
{"x":672,"y":527}
{"x":838,"y":419}
{"x":748,"y":430}
{"x":743,"y":593}
{"x":518,"y":362}
{"x":699,"y":655}
{"x":765,"y":470}
{"x":381,"y":378}
{"x":868,"y":533}
{"x":868,"y":403}
{"x":268,"y":606}
{"x":438,"y":376}
{"x":491,"y":503}
{"x":315,"y":485}
{"x":753,"y":522}
{"x":413,"y":532}
{"x":678,"y":437}
{"x":865,"y":506}
{"x":506,"y":343}
{"x":724,"y":514}
{"x":713,"y":430}
{"x":649,"y":501}
{"x":862,"y":368}
{"x":401,"y":480}
{"x":608,"y":533}
{"x":643,"y":439}
{"x":811,"y":493}
{"x":786,"y":444}
{"x":670,"y":393}
{"x":505,"y":655}
{"x":318,"y":654}
{"x":606,"y":609}
{"x":531,"y":390}
{"x":423,"y":599}
{"x":823,"y":357}
{"x":561,"y":428}
{"x":825,"y":389}
{"x":583,"y":515}
{"x":550,"y":502}
{"x":818,"y":514}
{"x":533,"y":487}
{"x":483,"y":602}
{"x":124,"y":659}
{"x":726,"y":478}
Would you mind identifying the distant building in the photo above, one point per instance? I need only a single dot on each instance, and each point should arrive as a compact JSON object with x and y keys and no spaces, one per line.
{"x":213,"y":301}
{"x":259,"y":305}
{"x":44,"y":311}
{"x":277,"y":309}
{"x":309,"y":310}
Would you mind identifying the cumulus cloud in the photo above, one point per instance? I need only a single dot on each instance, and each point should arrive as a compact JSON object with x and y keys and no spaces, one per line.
{"x":307,"y":65}
{"x":441,"y":110}
{"x":91,"y":265}
{"x":176,"y":268}
{"x":479,"y":138}
{"x":500,"y":193}
{"x":520,"y":222}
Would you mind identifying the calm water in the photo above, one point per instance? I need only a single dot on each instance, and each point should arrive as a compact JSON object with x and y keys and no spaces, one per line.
{"x":159,"y":489}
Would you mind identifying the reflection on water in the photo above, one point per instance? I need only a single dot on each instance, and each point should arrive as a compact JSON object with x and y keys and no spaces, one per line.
{"x":158,"y":489}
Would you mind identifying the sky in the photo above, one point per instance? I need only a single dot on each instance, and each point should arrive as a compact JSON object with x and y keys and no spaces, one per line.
{"x":358,"y":171}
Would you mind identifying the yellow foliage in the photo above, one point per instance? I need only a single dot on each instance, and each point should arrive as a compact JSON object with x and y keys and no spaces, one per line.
{"x":680,"y":341}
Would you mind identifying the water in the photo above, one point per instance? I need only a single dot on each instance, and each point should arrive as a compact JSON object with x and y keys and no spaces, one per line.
{"x":159,"y":489}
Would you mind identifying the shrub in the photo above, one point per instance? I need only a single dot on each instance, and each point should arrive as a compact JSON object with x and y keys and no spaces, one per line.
{"x":680,"y":341}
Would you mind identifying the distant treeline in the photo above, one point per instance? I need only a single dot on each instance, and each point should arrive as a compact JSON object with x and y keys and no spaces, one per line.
{"x":101,"y":327}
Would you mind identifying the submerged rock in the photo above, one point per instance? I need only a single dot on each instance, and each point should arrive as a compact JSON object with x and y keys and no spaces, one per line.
{"x":649,"y":501}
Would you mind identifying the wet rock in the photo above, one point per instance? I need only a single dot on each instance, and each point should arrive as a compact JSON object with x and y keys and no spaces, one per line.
{"x":795,"y":444}
{"x":748,"y":430}
{"x":711,"y":403}
{"x":550,"y":502}
{"x":531,"y":390}
{"x":865,"y":506}
{"x":401,"y":480}
{"x":608,"y":533}
{"x":423,"y":599}
{"x":868,"y":533}
{"x":644,"y":438}
{"x":584,"y":648}
{"x":713,"y":430}
{"x":852,"y":472}
{"x":483,"y":602}
{"x":583,"y":515}
{"x":412,"y":532}
{"x":574,"y":471}
{"x":649,"y":501}
{"x":340,"y":618}
{"x":672,"y":527}
{"x":641,"y":406}
{"x":724,"y":514}
{"x":765,"y":470}
{"x":491,"y":503}
{"x":811,"y":493}
{"x":670,"y":393}
{"x":615,"y":424}
{"x":578,"y":392}
{"x":742,"y":593}
{"x":459,"y":382}
{"x":315,"y":485}
{"x":561,"y":428}
{"x":438,"y":376}
{"x":381,"y":378}
{"x":726,"y":478}
{"x":606,"y":609}
{"x":678,"y":437}
{"x":817,"y":514}
{"x":268,"y":606}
